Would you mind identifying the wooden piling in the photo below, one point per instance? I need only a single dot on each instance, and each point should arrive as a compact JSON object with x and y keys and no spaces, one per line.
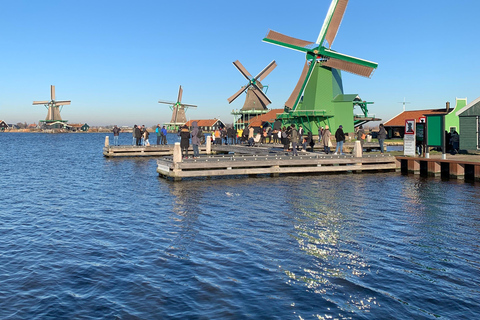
{"x":107,"y":141}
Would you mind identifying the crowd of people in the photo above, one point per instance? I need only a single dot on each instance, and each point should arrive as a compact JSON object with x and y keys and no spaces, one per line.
{"x":292,"y":138}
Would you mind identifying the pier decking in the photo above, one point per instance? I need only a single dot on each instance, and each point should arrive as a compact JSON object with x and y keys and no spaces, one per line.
{"x":457,"y":167}
{"x":267,"y":163}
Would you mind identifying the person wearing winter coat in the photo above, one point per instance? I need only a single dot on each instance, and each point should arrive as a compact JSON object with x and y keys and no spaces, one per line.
{"x":184,"y":141}
{"x":138,"y":135}
{"x":294,"y":139}
{"x":195,"y":139}
{"x":340,"y":137}
{"x":326,"y":140}
{"x":382,"y":135}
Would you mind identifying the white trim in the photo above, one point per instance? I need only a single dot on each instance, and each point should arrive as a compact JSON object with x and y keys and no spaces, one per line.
{"x":468,"y":106}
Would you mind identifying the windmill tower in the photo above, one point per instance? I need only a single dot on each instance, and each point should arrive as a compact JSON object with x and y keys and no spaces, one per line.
{"x":178,"y":111}
{"x":256,"y":100}
{"x":54,"y":108}
{"x":318,"y":98}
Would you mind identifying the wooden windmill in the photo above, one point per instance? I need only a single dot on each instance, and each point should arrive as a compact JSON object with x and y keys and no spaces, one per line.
{"x":178,"y":111}
{"x":256,"y":100}
{"x":318,"y":98}
{"x":54,"y":108}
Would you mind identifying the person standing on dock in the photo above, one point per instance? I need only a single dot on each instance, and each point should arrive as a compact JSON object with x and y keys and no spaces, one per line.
{"x":294,"y":139}
{"x":145,"y":138}
{"x":134,"y":142}
{"x":382,"y":135}
{"x":164,"y":135}
{"x":195,"y":139}
{"x":340,"y":137}
{"x":326,"y":140}
{"x":116,"y":132}
{"x":138,"y":135}
{"x":184,"y":141}
{"x":158,"y":131}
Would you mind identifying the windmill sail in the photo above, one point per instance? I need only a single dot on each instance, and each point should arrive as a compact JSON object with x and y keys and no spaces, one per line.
{"x":256,"y":99}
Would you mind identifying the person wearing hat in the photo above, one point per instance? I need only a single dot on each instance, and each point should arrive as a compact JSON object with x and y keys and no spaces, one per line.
{"x":326,"y":140}
{"x":340,"y":137}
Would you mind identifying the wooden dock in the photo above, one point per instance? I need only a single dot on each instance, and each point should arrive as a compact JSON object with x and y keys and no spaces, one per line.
{"x":271,"y":163}
{"x":457,"y":167}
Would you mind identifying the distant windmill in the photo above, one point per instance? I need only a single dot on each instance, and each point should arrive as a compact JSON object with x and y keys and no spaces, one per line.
{"x":54,"y":107}
{"x":256,"y":99}
{"x":178,"y":110}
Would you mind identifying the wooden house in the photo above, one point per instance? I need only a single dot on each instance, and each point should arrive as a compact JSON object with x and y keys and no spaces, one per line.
{"x":396,"y":126}
{"x":207,"y":125}
{"x":3,"y":125}
{"x":469,"y":117}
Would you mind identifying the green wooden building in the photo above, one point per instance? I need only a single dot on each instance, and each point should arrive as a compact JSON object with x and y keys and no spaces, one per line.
{"x":469,"y":123}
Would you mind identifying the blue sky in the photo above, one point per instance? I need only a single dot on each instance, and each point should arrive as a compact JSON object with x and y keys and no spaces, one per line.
{"x":116,"y":59}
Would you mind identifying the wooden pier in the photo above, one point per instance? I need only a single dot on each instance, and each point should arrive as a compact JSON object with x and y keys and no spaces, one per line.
{"x":460,"y":167}
{"x":271,"y":163}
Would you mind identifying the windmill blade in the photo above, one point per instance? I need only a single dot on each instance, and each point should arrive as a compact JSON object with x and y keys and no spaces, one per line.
{"x":41,"y":102}
{"x":62,"y":103}
{"x":350,"y":64}
{"x":237,"y":94}
{"x":265,"y":72}
{"x":188,"y":105}
{"x":242,"y":70}
{"x":262,"y":96}
{"x":166,"y":102}
{"x":180,"y":93}
{"x":332,"y":22}
{"x":294,"y":98}
{"x":282,"y":40}
{"x":52,"y":92}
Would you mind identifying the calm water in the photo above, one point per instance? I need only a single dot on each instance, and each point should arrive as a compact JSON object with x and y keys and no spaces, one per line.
{"x":85,"y":237}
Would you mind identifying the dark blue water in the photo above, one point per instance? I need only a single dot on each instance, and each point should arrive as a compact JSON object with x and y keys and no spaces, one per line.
{"x":85,"y":237}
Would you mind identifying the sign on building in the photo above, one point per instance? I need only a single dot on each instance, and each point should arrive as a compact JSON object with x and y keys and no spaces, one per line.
{"x":409,"y":138}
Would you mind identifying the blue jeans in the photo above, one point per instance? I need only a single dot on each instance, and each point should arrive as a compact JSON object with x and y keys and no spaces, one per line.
{"x":381,"y":145}
{"x":115,"y":140}
{"x":195,"y":150}
{"x":339,"y":147}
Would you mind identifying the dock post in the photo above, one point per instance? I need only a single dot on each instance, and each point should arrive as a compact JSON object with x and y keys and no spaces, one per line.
{"x":208,"y":144}
{"x":477,"y":172}
{"x":107,"y":141}
{"x":414,"y":166}
{"x":457,"y":170}
{"x":434,"y":168}
{"x":177,"y":159}
{"x":357,"y":150}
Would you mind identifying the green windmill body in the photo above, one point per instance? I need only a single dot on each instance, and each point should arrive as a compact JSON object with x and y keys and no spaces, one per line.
{"x":318,"y":98}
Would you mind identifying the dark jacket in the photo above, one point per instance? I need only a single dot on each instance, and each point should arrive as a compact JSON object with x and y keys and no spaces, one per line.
{"x":184,"y":138}
{"x":116,"y":131}
{"x":195,"y":130}
{"x":339,"y":135}
{"x":382,"y":134}
{"x":138,"y":133}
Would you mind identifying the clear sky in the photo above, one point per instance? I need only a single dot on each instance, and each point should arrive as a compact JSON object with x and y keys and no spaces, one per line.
{"x":116,"y":59}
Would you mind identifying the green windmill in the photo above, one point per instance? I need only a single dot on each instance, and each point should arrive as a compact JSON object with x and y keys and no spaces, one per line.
{"x":318,"y":98}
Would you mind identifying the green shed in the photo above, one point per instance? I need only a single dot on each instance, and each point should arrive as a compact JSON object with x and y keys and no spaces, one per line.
{"x":469,"y":117}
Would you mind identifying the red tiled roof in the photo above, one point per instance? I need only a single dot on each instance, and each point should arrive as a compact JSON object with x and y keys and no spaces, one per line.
{"x":399,"y":120}
{"x":266,"y":117}
{"x":203,"y":123}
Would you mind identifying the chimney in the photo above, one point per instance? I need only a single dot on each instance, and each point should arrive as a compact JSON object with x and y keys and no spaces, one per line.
{"x":448,"y":106}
